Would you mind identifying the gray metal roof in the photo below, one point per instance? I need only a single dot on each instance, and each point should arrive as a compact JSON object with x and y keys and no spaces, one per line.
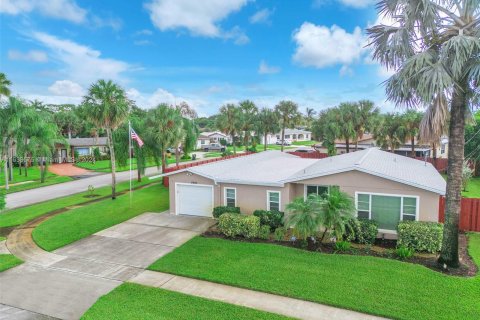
{"x":87,"y":142}
{"x":275,"y":168}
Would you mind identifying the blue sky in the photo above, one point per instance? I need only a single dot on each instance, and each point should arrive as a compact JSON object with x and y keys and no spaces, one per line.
{"x":206,"y":52}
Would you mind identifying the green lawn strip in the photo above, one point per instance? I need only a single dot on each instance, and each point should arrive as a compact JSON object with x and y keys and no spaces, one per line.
{"x":33,"y":175}
{"x":104,"y":165}
{"x":133,"y":301}
{"x":8,"y":261}
{"x":19,"y":216}
{"x":305,"y":143}
{"x":473,"y":188}
{"x":2,"y":238}
{"x":81,"y":222}
{"x":367,"y":284}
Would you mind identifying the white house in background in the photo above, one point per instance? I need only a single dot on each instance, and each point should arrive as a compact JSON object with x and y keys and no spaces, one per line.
{"x":211,"y":137}
{"x":290,"y":135}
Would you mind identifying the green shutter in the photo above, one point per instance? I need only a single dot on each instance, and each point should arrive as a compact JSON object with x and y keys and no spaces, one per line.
{"x":386,"y":211}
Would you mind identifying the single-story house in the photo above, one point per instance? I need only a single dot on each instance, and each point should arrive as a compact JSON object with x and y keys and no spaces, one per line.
{"x":291,"y":135}
{"x":84,"y":147}
{"x":386,"y":187}
{"x":211,"y":137}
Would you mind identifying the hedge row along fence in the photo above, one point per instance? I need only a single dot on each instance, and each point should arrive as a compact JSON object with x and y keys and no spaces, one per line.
{"x":469,"y":214}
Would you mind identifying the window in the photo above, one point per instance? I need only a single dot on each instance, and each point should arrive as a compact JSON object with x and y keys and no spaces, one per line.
{"x":230,"y":197}
{"x":273,"y":200}
{"x":83,"y":151}
{"x":387,"y":210}
{"x":202,"y":141}
{"x":442,"y":149}
{"x":320,"y":190}
{"x":287,"y":136}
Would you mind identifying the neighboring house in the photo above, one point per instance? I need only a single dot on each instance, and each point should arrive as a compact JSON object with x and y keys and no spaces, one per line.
{"x":212,"y":137}
{"x":386,"y":187}
{"x":290,"y":135}
{"x":84,"y":147}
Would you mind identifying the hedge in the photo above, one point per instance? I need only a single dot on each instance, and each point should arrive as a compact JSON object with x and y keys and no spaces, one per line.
{"x":420,"y":235}
{"x":362,"y":231}
{"x":273,"y":219}
{"x":232,"y":224}
{"x":218,"y":211}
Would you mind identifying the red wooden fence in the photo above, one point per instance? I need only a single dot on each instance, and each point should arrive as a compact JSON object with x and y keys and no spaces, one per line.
{"x":309,"y":155}
{"x":469,"y":214}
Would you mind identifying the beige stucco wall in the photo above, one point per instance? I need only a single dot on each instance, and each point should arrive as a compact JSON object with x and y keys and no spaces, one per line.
{"x":355,"y":181}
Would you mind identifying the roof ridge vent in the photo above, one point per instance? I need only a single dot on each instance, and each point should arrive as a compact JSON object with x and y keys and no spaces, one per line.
{"x":359,"y":162}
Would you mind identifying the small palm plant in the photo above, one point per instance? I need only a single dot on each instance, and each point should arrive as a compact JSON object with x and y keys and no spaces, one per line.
{"x":337,"y":210}
{"x":304,"y":216}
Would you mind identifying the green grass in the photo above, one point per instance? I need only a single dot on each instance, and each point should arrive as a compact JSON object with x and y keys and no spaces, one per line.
{"x":2,"y":238}
{"x":305,"y":143}
{"x":8,"y":261}
{"x":133,"y":301}
{"x":473,"y":188}
{"x":19,"y":216}
{"x":79,"y":223}
{"x":213,"y":154}
{"x":367,"y":284}
{"x":104,"y":165}
{"x":33,"y":175}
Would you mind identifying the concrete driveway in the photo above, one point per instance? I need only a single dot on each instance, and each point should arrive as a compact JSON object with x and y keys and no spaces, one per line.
{"x":82,"y":272}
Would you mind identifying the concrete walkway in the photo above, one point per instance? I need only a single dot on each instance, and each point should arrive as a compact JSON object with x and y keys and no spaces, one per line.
{"x":248,"y":298}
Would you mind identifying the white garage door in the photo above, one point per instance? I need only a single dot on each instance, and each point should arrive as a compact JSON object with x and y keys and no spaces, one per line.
{"x":194,"y":200}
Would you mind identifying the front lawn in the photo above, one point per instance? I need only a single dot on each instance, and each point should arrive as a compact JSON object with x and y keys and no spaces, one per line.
{"x":15,"y":217}
{"x":133,"y":301}
{"x":104,"y":165}
{"x":367,"y":284}
{"x":8,"y":261}
{"x":82,"y":222}
{"x":23,"y":183}
{"x":305,"y":143}
{"x":473,"y":188}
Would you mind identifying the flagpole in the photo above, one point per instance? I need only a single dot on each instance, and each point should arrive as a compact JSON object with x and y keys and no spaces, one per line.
{"x":130,"y":157}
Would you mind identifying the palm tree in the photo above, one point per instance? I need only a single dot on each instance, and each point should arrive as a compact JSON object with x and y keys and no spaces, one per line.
{"x":164,"y":130}
{"x":267,"y":123}
{"x":326,"y":129}
{"x":30,"y":120}
{"x":389,"y":133}
{"x":68,"y":122}
{"x":337,"y":210}
{"x":230,"y":121}
{"x":309,"y":116}
{"x":289,"y":116}
{"x":345,"y":118}
{"x":249,"y":112}
{"x":434,"y":47}
{"x":107,"y":107}
{"x":304,"y":216}
{"x":411,"y":124}
{"x":4,"y":85}
{"x":365,"y":114}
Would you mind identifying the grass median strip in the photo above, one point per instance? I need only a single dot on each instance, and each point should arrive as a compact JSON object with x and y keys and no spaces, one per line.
{"x":8,"y":261}
{"x":367,"y":284}
{"x":79,"y":223}
{"x":133,"y":301}
{"x":15,"y":217}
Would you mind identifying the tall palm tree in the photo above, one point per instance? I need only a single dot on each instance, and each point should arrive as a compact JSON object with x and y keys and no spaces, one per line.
{"x":411,"y":124}
{"x":345,"y":118}
{"x":107,"y":107}
{"x":365,"y":114}
{"x":4,"y":85}
{"x":309,"y":116}
{"x":249,"y":112}
{"x":326,"y":129}
{"x":267,"y":123}
{"x":164,"y":129}
{"x":434,"y":47}
{"x":230,"y":121}
{"x":289,"y":116}
{"x":389,"y":133}
{"x":30,"y":120}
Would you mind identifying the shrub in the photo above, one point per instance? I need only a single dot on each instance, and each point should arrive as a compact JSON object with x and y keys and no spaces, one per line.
{"x":273,"y":219}
{"x":227,"y":153}
{"x":420,"y":235}
{"x":264,"y":232}
{"x":404,"y":253}
{"x":96,"y":153}
{"x":229,"y":224}
{"x":362,"y":231}
{"x":186,"y":157}
{"x":280,"y":234}
{"x":218,"y":211}
{"x":249,"y":226}
{"x":342,"y":246}
{"x":76,"y":155}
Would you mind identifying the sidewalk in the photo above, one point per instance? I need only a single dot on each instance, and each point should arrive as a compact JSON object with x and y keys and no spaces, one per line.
{"x":248,"y":298}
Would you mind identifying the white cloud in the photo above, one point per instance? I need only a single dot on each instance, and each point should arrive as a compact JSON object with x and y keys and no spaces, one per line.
{"x":82,"y":64}
{"x":383,"y":72}
{"x":59,"y":9}
{"x":264,"y":68}
{"x":142,"y":42}
{"x":200,"y":18}
{"x":144,"y":32}
{"x":66,"y":88}
{"x":357,"y":3}
{"x":320,"y":46}
{"x":32,"y":55}
{"x":112,"y":22}
{"x":261,"y":16}
{"x":346,"y":71}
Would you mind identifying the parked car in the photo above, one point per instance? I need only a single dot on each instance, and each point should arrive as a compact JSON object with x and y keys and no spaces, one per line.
{"x":214,"y":147}
{"x":285,"y":142}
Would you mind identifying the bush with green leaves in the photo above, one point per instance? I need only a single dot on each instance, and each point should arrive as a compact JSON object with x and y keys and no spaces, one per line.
{"x":404,"y":252}
{"x":273,"y":218}
{"x":218,"y":211}
{"x":96,"y":153}
{"x":280,"y":233}
{"x":249,"y":226}
{"x":420,"y":236}
{"x":264,"y":232}
{"x":362,"y":231}
{"x":342,"y":246}
{"x":229,"y":224}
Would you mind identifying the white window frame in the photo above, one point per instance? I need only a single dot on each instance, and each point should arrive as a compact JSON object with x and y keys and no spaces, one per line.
{"x":401,"y":196}
{"x":314,"y":185}
{"x":225,"y":195}
{"x":279,"y":199}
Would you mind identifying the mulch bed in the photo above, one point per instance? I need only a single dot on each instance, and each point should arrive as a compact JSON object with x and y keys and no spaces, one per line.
{"x":382,"y":248}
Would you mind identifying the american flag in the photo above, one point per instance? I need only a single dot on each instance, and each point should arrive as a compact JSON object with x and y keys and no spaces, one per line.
{"x":135,"y":137}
